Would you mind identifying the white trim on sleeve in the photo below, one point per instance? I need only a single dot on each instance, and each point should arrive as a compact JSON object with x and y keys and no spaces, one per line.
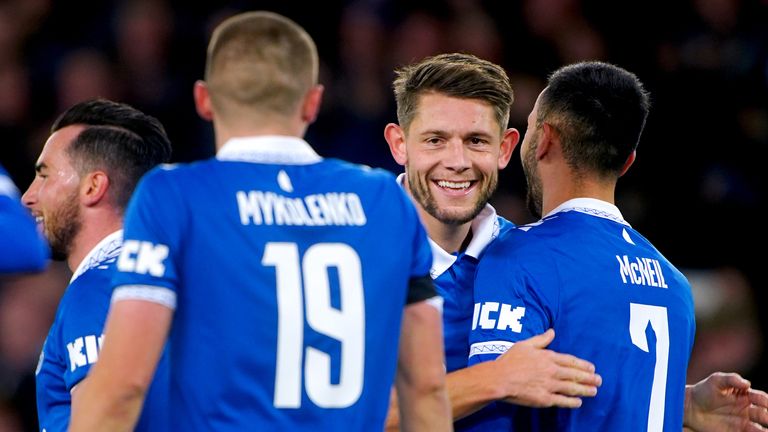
{"x":150,"y":293}
{"x":490,"y":347}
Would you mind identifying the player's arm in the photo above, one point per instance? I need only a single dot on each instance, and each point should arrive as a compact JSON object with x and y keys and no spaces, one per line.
{"x":420,"y":379}
{"x":725,"y":402}
{"x":112,"y":396}
{"x":526,"y":374}
{"x":515,"y":304}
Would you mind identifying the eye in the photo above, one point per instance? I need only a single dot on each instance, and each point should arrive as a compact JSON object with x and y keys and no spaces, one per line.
{"x":435,"y":140}
{"x":477,"y":141}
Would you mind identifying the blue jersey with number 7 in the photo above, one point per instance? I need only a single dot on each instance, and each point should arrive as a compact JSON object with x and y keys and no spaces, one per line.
{"x":288,"y":273}
{"x":612,"y":299}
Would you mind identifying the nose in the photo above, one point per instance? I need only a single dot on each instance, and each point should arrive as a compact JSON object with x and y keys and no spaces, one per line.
{"x":30,"y":196}
{"x":456,"y":157}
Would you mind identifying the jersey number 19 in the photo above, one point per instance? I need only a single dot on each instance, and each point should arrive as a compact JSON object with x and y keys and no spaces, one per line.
{"x":303,"y":285}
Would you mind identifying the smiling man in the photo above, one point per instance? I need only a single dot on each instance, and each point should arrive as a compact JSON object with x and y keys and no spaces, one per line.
{"x":86,"y":173}
{"x":452,"y":139}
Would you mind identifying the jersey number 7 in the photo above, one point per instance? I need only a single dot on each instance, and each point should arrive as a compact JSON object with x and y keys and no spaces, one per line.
{"x":639,"y":317}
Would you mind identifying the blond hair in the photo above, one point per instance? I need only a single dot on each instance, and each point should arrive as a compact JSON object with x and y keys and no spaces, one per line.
{"x":260,"y":61}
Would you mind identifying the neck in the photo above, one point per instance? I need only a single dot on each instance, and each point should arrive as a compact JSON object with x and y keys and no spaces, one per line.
{"x":92,"y":232}
{"x":562,"y":188}
{"x":267,"y":125}
{"x":451,"y":238}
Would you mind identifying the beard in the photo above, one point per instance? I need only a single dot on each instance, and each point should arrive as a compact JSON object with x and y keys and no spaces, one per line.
{"x":534,"y":197}
{"x":423,"y":195}
{"x":61,"y":227}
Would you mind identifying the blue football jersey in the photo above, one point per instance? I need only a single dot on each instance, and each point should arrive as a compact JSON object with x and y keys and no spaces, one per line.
{"x":74,"y":341}
{"x":454,"y":277}
{"x":612,"y":299}
{"x":288,"y":274}
{"x":22,"y":247}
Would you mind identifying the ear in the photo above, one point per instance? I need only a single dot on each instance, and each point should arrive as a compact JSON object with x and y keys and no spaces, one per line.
{"x":93,"y":188}
{"x":508,"y":143}
{"x":395,"y":137}
{"x":628,"y":163}
{"x":550,"y":138}
{"x":311,"y":105}
{"x":202,"y":100}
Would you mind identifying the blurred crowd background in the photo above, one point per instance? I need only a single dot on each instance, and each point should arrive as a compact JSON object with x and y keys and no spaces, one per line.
{"x":696,"y":190}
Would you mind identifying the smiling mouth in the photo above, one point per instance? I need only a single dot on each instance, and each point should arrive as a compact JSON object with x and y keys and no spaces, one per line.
{"x":454,"y":185}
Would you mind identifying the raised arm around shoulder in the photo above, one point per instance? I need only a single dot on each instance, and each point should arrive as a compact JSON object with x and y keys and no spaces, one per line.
{"x":527,"y":374}
{"x":110,"y":399}
{"x":420,"y":380}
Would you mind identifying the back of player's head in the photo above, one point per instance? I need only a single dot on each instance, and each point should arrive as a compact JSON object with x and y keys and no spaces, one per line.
{"x":599,"y":109}
{"x":119,"y":139}
{"x":260,"y":61}
{"x":457,"y":75}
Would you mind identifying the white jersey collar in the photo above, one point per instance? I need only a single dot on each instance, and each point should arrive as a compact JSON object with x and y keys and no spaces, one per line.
{"x":592,"y":206}
{"x":109,"y":247}
{"x":485,"y":228}
{"x":269,"y":149}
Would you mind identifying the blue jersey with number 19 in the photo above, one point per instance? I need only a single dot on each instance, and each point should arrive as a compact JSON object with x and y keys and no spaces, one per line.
{"x":612,"y":299}
{"x":288,"y":273}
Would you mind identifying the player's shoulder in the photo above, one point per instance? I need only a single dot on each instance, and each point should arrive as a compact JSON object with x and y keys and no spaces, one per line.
{"x":86,"y":300}
{"x":375,"y":184}
{"x":360,"y":171}
{"x":504,"y":224}
{"x":93,"y":284}
{"x":172,"y":177}
{"x":179,"y":170}
{"x":517,"y":240}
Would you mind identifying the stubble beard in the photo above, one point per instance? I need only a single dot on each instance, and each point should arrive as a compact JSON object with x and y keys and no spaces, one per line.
{"x":534,"y":197}
{"x":421,"y":193}
{"x":61,"y":227}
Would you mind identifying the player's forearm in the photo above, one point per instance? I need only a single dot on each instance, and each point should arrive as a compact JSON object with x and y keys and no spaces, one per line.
{"x":423,"y":407}
{"x":472,"y":388}
{"x":101,"y":404}
{"x":420,"y":380}
{"x":469,"y":390}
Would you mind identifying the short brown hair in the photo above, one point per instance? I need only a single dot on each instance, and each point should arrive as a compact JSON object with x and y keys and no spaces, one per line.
{"x":457,"y":75}
{"x":260,"y":60}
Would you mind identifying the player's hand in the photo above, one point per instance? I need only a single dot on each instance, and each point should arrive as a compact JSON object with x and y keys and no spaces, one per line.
{"x":725,"y":402}
{"x":537,"y":377}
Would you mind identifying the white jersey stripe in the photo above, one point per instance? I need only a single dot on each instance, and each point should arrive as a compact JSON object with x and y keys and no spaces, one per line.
{"x":154,"y":294}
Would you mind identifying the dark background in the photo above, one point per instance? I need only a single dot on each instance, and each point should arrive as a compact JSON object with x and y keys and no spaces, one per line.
{"x":697,"y":189}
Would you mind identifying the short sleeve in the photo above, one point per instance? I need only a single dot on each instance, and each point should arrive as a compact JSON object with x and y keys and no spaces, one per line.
{"x":508,"y":307}
{"x":146,"y":268}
